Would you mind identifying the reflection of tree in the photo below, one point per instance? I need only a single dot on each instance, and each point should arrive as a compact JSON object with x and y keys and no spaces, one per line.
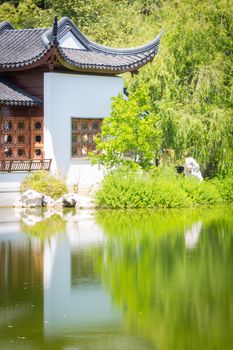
{"x":175,"y":297}
{"x":121,"y":222}
{"x":45,"y":228}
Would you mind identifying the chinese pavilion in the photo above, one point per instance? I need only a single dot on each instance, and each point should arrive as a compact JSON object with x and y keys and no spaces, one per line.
{"x":56,"y":87}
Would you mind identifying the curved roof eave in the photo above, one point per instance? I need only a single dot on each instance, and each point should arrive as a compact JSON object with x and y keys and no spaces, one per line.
{"x":12,"y":95}
{"x":12,"y":63}
{"x":94,"y":58}
{"x":25,"y":65}
{"x":15,"y":103}
{"x":65,"y":25}
{"x":103,"y":68}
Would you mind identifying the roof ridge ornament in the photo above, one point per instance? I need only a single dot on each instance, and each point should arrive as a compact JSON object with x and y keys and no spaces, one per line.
{"x":54,"y":32}
{"x":6,"y":25}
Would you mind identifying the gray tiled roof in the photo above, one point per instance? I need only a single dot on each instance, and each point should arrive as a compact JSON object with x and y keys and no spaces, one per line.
{"x":19,"y":49}
{"x":11,"y":95}
{"x":87,"y":59}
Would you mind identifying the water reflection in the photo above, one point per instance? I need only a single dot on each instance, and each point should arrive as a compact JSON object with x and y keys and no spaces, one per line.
{"x":21,"y":269}
{"x":192,"y":235}
{"x":116,"y":280}
{"x":176,"y":297}
{"x":73,"y":295}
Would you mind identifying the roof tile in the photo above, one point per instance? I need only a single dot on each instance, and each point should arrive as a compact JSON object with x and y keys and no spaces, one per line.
{"x":14,"y":96}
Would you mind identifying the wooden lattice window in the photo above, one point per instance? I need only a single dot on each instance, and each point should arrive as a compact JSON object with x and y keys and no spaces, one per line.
{"x":21,"y":138}
{"x":83,"y":135}
{"x":37,"y":138}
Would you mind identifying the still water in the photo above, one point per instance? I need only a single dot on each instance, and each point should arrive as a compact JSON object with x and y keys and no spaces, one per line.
{"x":136,"y":280}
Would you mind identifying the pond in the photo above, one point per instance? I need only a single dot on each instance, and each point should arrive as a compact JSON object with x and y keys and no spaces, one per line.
{"x":109,"y":280}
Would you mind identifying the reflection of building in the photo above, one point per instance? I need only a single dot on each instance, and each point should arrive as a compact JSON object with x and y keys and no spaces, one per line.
{"x":73,"y":295}
{"x":19,"y":253}
{"x":52,"y":287}
{"x":21,"y":278}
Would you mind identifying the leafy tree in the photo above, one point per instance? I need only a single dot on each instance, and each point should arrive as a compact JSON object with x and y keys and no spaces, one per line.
{"x":190,"y":82}
{"x":26,"y":14}
{"x":12,"y":2}
{"x":40,"y":3}
{"x":29,"y":15}
{"x":130,"y":136}
{"x":84,"y":12}
{"x":7,"y":12}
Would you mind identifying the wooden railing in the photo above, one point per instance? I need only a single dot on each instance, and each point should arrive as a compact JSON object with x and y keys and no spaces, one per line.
{"x":24,"y":165}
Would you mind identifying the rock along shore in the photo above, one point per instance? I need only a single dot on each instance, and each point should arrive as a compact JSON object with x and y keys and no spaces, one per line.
{"x":32,"y":199}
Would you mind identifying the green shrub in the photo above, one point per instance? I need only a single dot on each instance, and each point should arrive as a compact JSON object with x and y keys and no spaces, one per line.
{"x":201,"y":192}
{"x":163,"y":189}
{"x":127,"y":189}
{"x":43,"y":181}
{"x":225,"y":187}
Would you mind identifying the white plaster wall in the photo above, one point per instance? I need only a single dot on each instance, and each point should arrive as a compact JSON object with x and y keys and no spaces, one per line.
{"x":69,"y":41}
{"x":80,"y":96}
{"x":11,"y":180}
{"x":10,"y":187}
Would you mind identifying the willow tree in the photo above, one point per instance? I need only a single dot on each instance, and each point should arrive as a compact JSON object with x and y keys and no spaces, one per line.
{"x":191,"y":81}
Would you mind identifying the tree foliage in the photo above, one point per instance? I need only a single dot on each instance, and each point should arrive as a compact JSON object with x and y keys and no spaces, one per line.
{"x":130,"y":136}
{"x":26,"y":13}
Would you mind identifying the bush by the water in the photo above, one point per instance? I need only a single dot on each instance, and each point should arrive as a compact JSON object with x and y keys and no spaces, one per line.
{"x":201,"y":192}
{"x":225,"y":187}
{"x":162,"y":189}
{"x":44,"y":182}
